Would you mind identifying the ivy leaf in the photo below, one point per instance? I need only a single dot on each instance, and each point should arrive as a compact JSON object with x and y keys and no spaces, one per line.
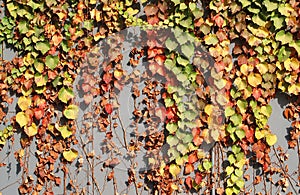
{"x":23,"y":27}
{"x":65,"y":94}
{"x":174,"y":170}
{"x":242,"y":105}
{"x":240,"y":183}
{"x":171,"y":45}
{"x":43,"y":47}
{"x":71,"y":112}
{"x":254,"y":79}
{"x":229,"y":170}
{"x":258,"y":20}
{"x":52,"y":61}
{"x":183,"y":149}
{"x":40,"y":80}
{"x":172,"y":140}
{"x":88,"y":24}
{"x":238,"y":172}
{"x":229,"y":111}
{"x":285,"y":9}
{"x":236,"y":149}
{"x":283,"y":37}
{"x":22,"y":119}
{"x":284,"y":53}
{"x":211,"y":39}
{"x":270,"y":5}
{"x":188,"y":50}
{"x":70,"y":155}
{"x":24,"y":102}
{"x":207,"y":165}
{"x":172,"y":127}
{"x":266,"y":110}
{"x":271,"y":139}
{"x":296,"y":46}
{"x":31,"y":131}
{"x":245,"y":3}
{"x":64,"y":131}
{"x":240,"y":133}
{"x":278,"y":22}
{"x":182,"y":61}
{"x":231,"y":159}
{"x":236,"y":119}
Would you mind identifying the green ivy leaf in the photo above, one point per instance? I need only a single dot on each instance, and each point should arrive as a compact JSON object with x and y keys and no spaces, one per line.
{"x":236,"y":119}
{"x":23,"y":27}
{"x":229,"y":170}
{"x":283,"y":37}
{"x":171,"y":45}
{"x":182,"y":61}
{"x":183,"y":149}
{"x":52,"y":61}
{"x":240,"y":133}
{"x":65,"y":94}
{"x":242,"y":105}
{"x":296,"y":46}
{"x":271,"y":6}
{"x":207,"y":165}
{"x":231,"y":159}
{"x":71,"y":112}
{"x":172,"y":140}
{"x":43,"y":47}
{"x":278,"y":22}
{"x":188,"y":50}
{"x":240,"y":183}
{"x":284,"y":53}
{"x":211,"y":39}
{"x":172,"y":127}
{"x":258,"y":20}
{"x":64,"y":131}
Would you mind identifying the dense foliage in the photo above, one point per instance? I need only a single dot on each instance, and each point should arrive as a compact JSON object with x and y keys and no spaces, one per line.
{"x":254,"y":47}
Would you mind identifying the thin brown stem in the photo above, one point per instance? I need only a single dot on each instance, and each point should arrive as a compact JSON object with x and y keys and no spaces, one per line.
{"x":282,"y":167}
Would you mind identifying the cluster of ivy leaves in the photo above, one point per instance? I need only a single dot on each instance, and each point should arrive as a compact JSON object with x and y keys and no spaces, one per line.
{"x":255,"y":49}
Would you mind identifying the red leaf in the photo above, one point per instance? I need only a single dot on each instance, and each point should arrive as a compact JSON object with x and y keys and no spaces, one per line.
{"x":170,"y":113}
{"x":160,"y":59}
{"x":108,"y":108}
{"x":256,"y":93}
{"x":219,"y":21}
{"x":38,"y":113}
{"x":193,"y":158}
{"x":107,"y":77}
{"x":188,"y":168}
{"x":188,"y":182}
{"x":152,"y":20}
{"x":198,"y":178}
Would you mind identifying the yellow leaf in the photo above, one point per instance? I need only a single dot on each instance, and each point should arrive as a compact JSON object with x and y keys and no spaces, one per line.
{"x":271,"y":139}
{"x":24,"y":102}
{"x":208,"y":109}
{"x":254,"y":79}
{"x":22,"y":119}
{"x":174,"y":170}
{"x":31,"y":131}
{"x":70,"y":155}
